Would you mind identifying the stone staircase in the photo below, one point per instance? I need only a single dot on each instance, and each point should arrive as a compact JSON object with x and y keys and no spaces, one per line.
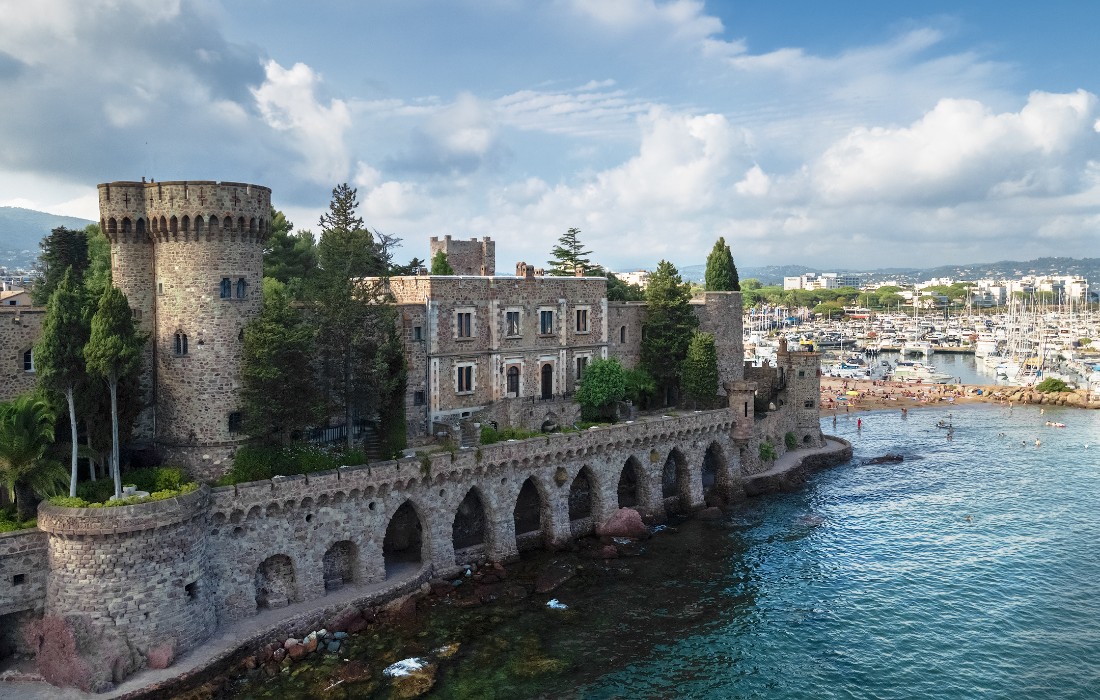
{"x":372,"y":443}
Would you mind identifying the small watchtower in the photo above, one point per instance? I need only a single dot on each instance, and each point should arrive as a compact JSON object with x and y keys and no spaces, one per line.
{"x":472,"y":257}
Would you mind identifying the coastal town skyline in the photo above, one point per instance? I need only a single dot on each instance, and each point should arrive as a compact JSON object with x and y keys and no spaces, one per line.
{"x":928,"y":137}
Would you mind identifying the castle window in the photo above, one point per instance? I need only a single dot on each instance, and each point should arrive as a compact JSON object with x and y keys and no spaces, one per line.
{"x":181,"y":343}
{"x":198,"y":224}
{"x":809,"y":403}
{"x":185,"y":223}
{"x":191,"y":590}
{"x":582,"y":320}
{"x":418,"y":333}
{"x":173,"y":225}
{"x":126,"y":225}
{"x":546,"y":322}
{"x":28,"y":360}
{"x":18,"y":579}
{"x":513,"y":380}
{"x":234,"y":422}
{"x":112,"y":225}
{"x":511,"y":319}
{"x":802,"y":373}
{"x":136,"y":313}
{"x":622,"y":334}
{"x":240,"y":223}
{"x":465,"y":324}
{"x":418,"y":398}
{"x":464,"y":379}
{"x":226,"y":288}
{"x":160,"y":287}
{"x":582,"y":363}
{"x":242,"y":288}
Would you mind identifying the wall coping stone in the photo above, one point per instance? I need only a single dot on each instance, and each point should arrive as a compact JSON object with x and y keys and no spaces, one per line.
{"x":59,"y":520}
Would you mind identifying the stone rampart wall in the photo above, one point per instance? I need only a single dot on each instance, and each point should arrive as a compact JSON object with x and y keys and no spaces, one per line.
{"x":624,"y":331}
{"x":23,"y":576}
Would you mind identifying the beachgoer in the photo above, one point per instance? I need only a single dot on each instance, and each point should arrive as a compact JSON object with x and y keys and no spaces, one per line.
{"x":859,"y":424}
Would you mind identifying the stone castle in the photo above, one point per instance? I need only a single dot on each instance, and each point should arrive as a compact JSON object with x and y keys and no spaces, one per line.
{"x":480,"y":347}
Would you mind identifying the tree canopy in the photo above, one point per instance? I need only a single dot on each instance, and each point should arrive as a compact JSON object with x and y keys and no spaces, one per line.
{"x":63,"y":249}
{"x":26,"y":468}
{"x":721,"y":274}
{"x":569,"y":255}
{"x":667,"y":330}
{"x":290,"y":258}
{"x":700,"y":370}
{"x":602,"y":384}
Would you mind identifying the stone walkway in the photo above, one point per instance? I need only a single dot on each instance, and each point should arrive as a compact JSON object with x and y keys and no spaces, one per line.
{"x":226,"y":642}
{"x":788,"y":462}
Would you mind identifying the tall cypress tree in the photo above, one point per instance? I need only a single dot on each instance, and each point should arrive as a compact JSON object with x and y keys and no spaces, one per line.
{"x":59,"y":354}
{"x":666,"y":332}
{"x":441,"y":265}
{"x":721,"y":275}
{"x":700,"y":372}
{"x":113,"y":353}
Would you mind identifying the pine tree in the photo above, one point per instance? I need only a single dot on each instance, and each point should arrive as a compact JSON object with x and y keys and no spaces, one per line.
{"x":279,"y":393}
{"x":290,"y":258}
{"x":440,"y":264}
{"x":59,"y":354}
{"x":569,"y":255}
{"x":666,"y":332}
{"x":721,"y":275}
{"x":700,"y":370}
{"x":113,"y":352}
{"x":62,"y":249}
{"x":347,"y":249}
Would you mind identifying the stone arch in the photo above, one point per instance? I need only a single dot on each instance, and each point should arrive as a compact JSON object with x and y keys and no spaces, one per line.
{"x":530,"y":515}
{"x":185,"y":223}
{"x":213,"y":223}
{"x":470,"y":528}
{"x":339,"y":564}
{"x":714,"y":470}
{"x":252,"y":225}
{"x":240,"y":223}
{"x":583,"y":502}
{"x":275,"y":582}
{"x":675,"y":481}
{"x":227,"y":223}
{"x":629,"y":487}
{"x":163,"y":224}
{"x":126,"y":224}
{"x":403,"y":545}
{"x":141,"y":225}
{"x":198,"y":224}
{"x":173,"y":224}
{"x":112,"y":225}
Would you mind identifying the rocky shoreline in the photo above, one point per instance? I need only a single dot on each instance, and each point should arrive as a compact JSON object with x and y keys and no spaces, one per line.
{"x":848,"y":395}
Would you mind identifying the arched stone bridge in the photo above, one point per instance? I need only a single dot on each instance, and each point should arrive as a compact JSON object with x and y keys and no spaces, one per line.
{"x":291,"y":539}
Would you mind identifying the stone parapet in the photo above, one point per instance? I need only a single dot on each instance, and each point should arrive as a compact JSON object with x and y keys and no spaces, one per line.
{"x":57,"y":520}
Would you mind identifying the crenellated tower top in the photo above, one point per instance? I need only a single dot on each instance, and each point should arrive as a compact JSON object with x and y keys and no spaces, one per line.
{"x":184,"y":210}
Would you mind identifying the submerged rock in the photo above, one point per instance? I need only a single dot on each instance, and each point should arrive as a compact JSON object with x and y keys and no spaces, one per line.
{"x":885,"y":459}
{"x":553,"y":575}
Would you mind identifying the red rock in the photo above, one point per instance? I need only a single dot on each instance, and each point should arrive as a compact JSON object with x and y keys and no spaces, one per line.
{"x":625,"y":522}
{"x":289,"y":643}
{"x":310,"y":643}
{"x":609,"y":551}
{"x":297,"y":652}
{"x":162,"y":656}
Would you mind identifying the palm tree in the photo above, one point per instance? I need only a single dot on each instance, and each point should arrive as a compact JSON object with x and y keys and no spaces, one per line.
{"x":27,"y":469}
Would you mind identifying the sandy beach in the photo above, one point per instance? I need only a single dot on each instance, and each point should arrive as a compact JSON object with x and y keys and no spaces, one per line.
{"x":849,"y":395}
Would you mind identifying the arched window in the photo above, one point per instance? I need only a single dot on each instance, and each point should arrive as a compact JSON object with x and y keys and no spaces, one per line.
{"x":235,"y":422}
{"x":242,"y":288}
{"x":226,"y":288}
{"x":185,"y":223}
{"x":198,"y":224}
{"x":141,"y":225}
{"x":252,"y":225}
{"x":173,"y":225}
{"x":513,"y":380}
{"x":240,"y":223}
{"x":227,"y":224}
{"x":126,"y":225}
{"x":622,"y":334}
{"x":28,"y":360}
{"x":181,"y":343}
{"x":112,"y":225}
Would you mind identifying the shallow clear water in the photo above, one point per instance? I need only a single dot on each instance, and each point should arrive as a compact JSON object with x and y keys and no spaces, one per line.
{"x":969,"y":570}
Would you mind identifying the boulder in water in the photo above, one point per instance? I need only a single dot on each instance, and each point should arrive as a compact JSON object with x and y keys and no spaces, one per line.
{"x":886,"y":459}
{"x":625,"y":522}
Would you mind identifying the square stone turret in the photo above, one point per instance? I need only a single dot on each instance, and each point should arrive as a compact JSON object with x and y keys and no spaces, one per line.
{"x":472,"y":257}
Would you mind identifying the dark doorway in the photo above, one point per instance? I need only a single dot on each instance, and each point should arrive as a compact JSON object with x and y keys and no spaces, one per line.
{"x":548,"y":381}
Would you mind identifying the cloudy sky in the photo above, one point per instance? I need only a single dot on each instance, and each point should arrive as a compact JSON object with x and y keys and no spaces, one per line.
{"x":855,"y":134}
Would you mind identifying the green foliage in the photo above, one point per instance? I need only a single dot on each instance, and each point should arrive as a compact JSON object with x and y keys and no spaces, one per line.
{"x":289,"y":257}
{"x":602,"y":384}
{"x":829,"y":309}
{"x":1051,"y":385}
{"x":569,"y":255}
{"x":751,"y":283}
{"x":491,"y":435}
{"x":27,"y":469}
{"x":257,"y":462}
{"x":767,"y":451}
{"x":617,"y":290}
{"x":721,"y":274}
{"x":98,"y":275}
{"x":161,"y":495}
{"x":640,"y":386}
{"x":700,"y":371}
{"x":63,"y":249}
{"x":279,"y":392}
{"x":790,"y":440}
{"x":440,"y":264}
{"x":667,"y":330}
{"x":10,"y":522}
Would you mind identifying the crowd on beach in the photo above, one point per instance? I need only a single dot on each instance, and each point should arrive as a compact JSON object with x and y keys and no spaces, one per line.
{"x":845,"y":395}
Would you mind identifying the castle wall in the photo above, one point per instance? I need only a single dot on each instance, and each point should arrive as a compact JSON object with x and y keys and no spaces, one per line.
{"x":23,"y":575}
{"x":19,"y":331}
{"x":137,"y":570}
{"x":472,"y":257}
{"x":720,"y":315}
{"x":624,"y":331}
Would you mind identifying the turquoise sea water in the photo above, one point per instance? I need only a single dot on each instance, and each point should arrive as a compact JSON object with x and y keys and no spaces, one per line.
{"x":969,"y":570}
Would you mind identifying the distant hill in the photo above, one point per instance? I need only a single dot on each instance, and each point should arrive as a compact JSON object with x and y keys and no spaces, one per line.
{"x":22,"y":229}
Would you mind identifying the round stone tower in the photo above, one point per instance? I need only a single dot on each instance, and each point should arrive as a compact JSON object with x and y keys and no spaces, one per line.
{"x":189,"y":257}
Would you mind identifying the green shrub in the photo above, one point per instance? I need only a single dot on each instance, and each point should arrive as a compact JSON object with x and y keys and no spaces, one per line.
{"x":162,"y":495}
{"x":767,"y":451}
{"x":1051,"y":385}
{"x":490,"y":435}
{"x":790,"y":440}
{"x":261,"y":462}
{"x":9,"y":522}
